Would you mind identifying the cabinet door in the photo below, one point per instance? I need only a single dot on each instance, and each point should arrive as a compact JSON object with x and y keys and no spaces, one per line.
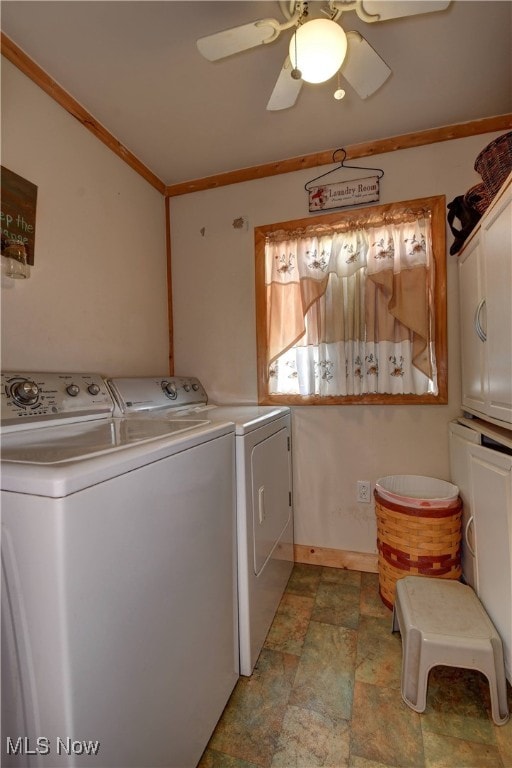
{"x":472,"y":310}
{"x":496,"y":239}
{"x":491,"y":496}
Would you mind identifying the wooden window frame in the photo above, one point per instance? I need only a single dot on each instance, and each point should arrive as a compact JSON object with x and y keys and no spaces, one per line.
{"x":437,"y":207}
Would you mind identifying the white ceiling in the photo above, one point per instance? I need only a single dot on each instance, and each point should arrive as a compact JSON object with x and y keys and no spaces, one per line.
{"x":134,"y":65}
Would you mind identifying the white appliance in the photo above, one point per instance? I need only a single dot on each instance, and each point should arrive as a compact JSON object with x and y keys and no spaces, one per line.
{"x":263,"y":492}
{"x":119,"y":611}
{"x":481,"y":466}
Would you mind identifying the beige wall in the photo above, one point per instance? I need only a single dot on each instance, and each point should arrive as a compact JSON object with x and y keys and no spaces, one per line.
{"x":215,"y":339}
{"x":97,"y":297}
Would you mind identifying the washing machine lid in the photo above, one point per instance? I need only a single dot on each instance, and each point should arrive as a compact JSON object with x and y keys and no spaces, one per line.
{"x":83,"y":440}
{"x":57,"y":461}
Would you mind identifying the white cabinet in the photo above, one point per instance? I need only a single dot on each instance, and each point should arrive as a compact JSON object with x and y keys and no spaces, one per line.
{"x":485,"y":289}
{"x":483,"y":471}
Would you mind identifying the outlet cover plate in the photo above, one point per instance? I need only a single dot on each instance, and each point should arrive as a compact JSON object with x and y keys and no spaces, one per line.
{"x":364,"y":491}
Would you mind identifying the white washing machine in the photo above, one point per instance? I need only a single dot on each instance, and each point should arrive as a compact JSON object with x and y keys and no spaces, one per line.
{"x":119,"y":609}
{"x":263,"y":492}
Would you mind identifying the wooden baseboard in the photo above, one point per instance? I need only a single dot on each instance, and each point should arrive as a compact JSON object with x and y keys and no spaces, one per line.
{"x":336,"y":558}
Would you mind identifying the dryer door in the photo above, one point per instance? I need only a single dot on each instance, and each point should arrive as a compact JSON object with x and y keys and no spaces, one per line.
{"x":271,"y":494}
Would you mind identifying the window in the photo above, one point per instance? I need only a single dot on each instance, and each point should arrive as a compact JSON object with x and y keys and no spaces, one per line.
{"x":351,"y":307}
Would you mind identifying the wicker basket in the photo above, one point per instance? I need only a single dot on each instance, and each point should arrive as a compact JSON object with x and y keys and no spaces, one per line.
{"x":494,"y":163}
{"x":478,"y":198}
{"x":416,"y":541}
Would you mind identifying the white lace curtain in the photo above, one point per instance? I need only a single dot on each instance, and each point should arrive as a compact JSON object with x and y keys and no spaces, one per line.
{"x":350,"y":308}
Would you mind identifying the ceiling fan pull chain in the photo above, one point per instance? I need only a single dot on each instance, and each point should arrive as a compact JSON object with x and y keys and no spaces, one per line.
{"x":339,"y":94}
{"x":296,"y":73}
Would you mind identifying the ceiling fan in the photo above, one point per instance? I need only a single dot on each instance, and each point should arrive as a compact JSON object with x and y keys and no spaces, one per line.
{"x":319,"y":41}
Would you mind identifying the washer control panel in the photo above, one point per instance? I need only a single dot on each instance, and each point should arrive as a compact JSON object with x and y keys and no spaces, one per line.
{"x":30,"y":398}
{"x":150,"y":393}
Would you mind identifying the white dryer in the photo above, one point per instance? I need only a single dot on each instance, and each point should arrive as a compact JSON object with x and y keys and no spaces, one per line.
{"x":263,"y":492}
{"x":119,"y":608}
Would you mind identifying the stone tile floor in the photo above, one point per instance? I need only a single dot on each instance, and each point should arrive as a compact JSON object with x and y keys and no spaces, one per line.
{"x":326,"y":692}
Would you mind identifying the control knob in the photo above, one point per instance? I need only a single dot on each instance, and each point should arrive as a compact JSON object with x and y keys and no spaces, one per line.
{"x":25,"y":392}
{"x":170,"y":389}
{"x":73,"y":390}
{"x":93,"y":389}
{"x":186,"y":387}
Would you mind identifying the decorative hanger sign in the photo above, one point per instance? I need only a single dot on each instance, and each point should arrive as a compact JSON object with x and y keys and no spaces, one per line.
{"x":342,"y":194}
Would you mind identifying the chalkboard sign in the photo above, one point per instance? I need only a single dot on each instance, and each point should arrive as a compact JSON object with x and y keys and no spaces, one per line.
{"x":18,"y":215}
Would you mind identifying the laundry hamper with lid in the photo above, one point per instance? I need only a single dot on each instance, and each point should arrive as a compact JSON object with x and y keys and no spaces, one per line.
{"x":418,"y":530}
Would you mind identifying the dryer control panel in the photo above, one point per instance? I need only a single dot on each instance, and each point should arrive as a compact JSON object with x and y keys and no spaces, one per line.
{"x":28,"y":399}
{"x":133,"y":395}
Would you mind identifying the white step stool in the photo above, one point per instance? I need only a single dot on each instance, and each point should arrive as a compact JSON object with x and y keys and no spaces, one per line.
{"x":442,"y":622}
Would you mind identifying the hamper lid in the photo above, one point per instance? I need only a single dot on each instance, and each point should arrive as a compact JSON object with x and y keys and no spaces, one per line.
{"x":417,"y":491}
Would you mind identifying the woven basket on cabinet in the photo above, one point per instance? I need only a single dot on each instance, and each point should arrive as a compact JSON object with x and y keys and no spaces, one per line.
{"x":494,"y":163}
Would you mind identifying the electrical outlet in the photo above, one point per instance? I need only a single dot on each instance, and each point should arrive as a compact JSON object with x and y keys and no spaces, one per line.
{"x":364,"y":489}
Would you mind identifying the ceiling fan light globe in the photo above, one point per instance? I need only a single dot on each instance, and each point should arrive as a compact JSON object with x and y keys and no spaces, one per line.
{"x":321,"y":47}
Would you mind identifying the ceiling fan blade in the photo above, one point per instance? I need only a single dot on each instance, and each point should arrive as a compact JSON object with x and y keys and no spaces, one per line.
{"x":286,"y":89}
{"x":395,"y":9}
{"x":363,"y":68}
{"x":237,"y":39}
